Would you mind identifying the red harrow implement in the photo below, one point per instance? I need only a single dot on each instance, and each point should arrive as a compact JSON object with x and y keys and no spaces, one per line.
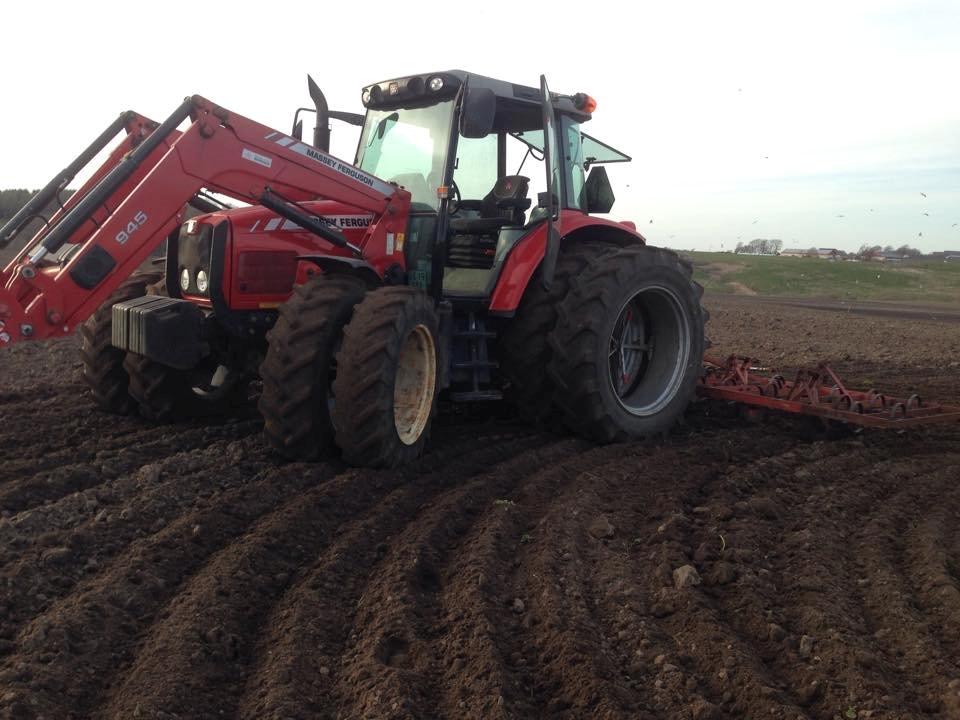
{"x":818,"y":392}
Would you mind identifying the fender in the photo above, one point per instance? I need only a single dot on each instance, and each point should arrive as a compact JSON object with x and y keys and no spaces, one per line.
{"x":526,"y":256}
{"x":344,"y":265}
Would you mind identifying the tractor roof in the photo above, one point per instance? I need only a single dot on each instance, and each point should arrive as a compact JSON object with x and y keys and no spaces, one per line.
{"x":428,"y":88}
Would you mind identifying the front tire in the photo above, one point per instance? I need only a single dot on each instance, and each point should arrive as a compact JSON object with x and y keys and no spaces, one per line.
{"x":299,"y":365}
{"x":387,"y":384}
{"x":163,"y":394}
{"x":628,"y":345}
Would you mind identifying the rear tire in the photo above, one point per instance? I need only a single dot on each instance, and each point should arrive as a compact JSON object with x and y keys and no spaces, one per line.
{"x":103,"y":368}
{"x":628,"y":345}
{"x":386,"y":385}
{"x":296,"y":373}
{"x":524,"y":350}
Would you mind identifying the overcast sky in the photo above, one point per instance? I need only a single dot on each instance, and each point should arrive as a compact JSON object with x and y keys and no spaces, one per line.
{"x":820,"y":123}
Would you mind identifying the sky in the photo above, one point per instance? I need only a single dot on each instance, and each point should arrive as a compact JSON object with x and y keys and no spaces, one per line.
{"x":819,"y":123}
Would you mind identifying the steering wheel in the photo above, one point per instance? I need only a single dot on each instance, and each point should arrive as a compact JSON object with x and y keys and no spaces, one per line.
{"x":453,"y":203}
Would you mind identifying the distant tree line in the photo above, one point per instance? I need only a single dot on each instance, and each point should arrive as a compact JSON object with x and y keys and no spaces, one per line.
{"x":763,"y":246}
{"x":760,"y":246}
{"x":12,"y":200}
{"x":10,"y":203}
{"x":868,"y":252}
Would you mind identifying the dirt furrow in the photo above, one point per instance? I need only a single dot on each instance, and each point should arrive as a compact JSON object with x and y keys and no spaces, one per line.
{"x":909,"y":643}
{"x":105,"y":457}
{"x":47,"y":552}
{"x":690,"y":648}
{"x":746,"y":555}
{"x":486,"y":659}
{"x":298,"y":654}
{"x":101,"y":624}
{"x":931,"y":560}
{"x":208,"y":638}
{"x":397,"y":630}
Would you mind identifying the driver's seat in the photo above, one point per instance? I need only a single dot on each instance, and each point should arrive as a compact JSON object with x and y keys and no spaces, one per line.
{"x":505,"y":204}
{"x":473,"y":240}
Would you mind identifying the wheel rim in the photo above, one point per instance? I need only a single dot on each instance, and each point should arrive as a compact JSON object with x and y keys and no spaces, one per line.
{"x":415,"y":385}
{"x":648,"y":350}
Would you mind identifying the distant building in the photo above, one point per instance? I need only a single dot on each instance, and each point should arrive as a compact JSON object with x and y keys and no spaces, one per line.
{"x":794,"y":252}
{"x":889,"y":257}
{"x":828,"y":253}
{"x":945,"y":255}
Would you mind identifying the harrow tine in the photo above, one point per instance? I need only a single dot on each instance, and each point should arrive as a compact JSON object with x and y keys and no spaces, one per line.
{"x":818,"y":392}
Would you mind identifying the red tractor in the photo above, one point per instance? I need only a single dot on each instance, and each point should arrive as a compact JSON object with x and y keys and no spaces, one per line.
{"x":360,"y":294}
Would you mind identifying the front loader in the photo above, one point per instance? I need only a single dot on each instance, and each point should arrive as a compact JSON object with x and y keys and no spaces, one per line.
{"x":360,"y":293}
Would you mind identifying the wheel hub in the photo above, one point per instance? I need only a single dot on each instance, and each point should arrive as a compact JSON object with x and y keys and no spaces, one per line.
{"x":648,"y":350}
{"x":415,"y":385}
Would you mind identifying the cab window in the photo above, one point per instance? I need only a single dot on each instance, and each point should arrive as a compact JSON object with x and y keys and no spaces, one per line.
{"x":475,"y":171}
{"x":572,"y":145}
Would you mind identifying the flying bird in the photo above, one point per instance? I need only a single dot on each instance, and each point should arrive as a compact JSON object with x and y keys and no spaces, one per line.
{"x":954,"y":225}
{"x":919,"y":234}
{"x":651,"y":221}
{"x":754,"y":222}
{"x":927,"y":214}
{"x":841,"y":215}
{"x":924,"y":194}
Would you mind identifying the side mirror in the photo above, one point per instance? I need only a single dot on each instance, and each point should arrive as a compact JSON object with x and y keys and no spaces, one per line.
{"x":598,"y":191}
{"x":298,"y":130}
{"x":477,"y":112}
{"x":347,"y":117}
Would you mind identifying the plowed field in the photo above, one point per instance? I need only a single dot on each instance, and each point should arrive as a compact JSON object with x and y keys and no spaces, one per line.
{"x":730,"y":570}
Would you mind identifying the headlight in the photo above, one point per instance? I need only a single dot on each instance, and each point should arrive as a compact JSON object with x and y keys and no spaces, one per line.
{"x":365,"y":97}
{"x":202,"y":281}
{"x":436,"y":83}
{"x":184,"y":279}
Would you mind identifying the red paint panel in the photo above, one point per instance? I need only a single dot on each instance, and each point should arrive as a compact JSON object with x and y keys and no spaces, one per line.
{"x":526,"y":256}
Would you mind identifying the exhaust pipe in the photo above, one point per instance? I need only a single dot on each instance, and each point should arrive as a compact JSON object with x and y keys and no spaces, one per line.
{"x":321,"y":133}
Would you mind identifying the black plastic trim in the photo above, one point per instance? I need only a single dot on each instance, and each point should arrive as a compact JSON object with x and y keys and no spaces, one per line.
{"x":92,"y":268}
{"x":292,"y":212}
{"x":353,"y":266}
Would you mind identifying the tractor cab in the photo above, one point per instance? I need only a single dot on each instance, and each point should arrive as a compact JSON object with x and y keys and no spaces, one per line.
{"x":486,"y":163}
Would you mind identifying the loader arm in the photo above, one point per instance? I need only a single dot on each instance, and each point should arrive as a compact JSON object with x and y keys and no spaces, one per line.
{"x":137,"y":198}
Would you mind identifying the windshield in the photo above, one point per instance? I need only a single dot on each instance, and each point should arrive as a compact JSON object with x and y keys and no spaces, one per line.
{"x":408,"y":147}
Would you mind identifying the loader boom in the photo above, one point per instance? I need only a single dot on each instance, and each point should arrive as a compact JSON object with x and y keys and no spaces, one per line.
{"x":137,"y":198}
